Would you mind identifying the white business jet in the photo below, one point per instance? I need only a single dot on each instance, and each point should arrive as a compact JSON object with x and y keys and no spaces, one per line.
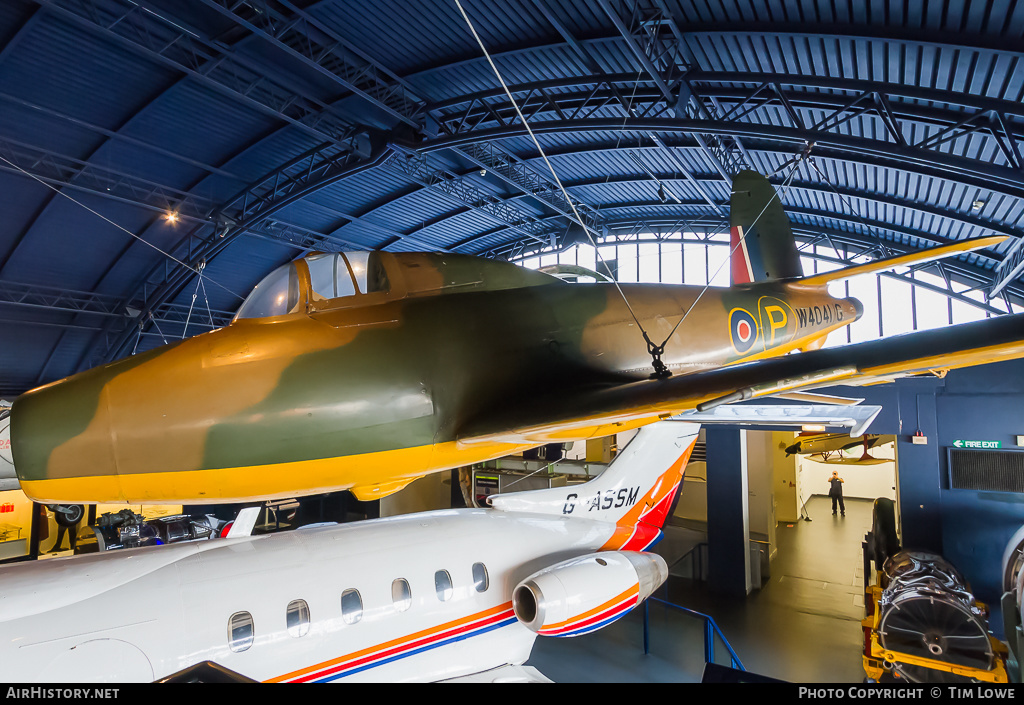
{"x":442,"y":595}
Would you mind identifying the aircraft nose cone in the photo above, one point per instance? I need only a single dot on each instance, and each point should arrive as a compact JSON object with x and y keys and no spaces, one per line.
{"x":858,"y":308}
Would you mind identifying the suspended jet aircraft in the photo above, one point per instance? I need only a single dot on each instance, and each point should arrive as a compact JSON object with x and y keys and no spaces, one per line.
{"x":432,"y":596}
{"x":367,"y":370}
{"x":829,"y":447}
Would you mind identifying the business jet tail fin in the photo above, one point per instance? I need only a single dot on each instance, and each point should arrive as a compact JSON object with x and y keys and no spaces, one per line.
{"x":636,"y":490}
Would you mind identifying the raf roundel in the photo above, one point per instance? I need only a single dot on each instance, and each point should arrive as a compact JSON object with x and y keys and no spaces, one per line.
{"x":743,"y":331}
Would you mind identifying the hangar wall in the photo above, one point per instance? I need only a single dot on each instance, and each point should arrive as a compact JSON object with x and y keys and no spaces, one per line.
{"x":970,"y":528}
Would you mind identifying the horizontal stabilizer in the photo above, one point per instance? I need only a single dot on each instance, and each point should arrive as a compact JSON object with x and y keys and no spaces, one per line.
{"x":244,"y":522}
{"x":918,"y":257}
{"x":856,"y":418}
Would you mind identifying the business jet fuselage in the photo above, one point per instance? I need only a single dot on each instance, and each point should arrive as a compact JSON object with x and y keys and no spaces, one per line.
{"x":423,"y":597}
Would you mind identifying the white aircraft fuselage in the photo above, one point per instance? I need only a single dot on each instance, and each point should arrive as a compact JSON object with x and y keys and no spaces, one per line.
{"x":143,"y":614}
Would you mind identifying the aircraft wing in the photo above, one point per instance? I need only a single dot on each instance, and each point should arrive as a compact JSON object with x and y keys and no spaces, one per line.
{"x":582,"y":412}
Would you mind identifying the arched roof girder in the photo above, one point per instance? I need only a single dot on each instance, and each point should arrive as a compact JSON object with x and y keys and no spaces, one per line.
{"x":1010,"y":46}
{"x":975,"y":172}
{"x":913,"y":125}
{"x":814,"y":188}
{"x":854,"y":226}
{"x":806,"y":235}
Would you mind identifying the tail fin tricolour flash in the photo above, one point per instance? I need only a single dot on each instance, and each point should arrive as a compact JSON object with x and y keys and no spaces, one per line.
{"x":635,"y":492}
{"x":763,"y":247}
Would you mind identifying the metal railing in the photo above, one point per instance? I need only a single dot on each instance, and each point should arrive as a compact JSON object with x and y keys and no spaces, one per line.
{"x":711,"y":629}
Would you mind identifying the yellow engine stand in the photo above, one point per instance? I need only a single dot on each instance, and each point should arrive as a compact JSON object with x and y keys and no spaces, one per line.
{"x":879,"y":662}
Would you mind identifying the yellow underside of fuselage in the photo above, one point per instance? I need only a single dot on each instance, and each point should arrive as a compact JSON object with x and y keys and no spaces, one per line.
{"x":368,"y":476}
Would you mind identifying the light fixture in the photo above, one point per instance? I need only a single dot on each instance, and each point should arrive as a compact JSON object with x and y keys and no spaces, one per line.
{"x":172,"y":217}
{"x":813,"y":428}
{"x":483,"y":172}
{"x":977,"y":205}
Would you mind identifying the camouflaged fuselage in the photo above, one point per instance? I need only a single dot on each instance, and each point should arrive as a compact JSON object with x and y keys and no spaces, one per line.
{"x":369,"y":392}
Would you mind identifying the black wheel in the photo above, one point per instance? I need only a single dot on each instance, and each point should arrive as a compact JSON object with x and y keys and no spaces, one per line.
{"x":68,"y":515}
{"x":883,"y":530}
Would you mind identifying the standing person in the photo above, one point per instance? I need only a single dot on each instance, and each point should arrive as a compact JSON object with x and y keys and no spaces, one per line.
{"x":836,"y":492}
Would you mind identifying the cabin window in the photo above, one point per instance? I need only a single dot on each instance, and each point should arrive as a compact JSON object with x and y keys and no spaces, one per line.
{"x":240,"y":631}
{"x":368,"y":271}
{"x":297,"y":618}
{"x":480,"y":581}
{"x":351,"y":606}
{"x":401,"y":594}
{"x":443,"y":585}
{"x":276,"y":295}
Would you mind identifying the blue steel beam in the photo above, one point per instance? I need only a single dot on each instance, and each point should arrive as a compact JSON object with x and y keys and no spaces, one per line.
{"x":76,"y":174}
{"x":625,"y":232}
{"x":919,"y":160}
{"x":662,"y":57}
{"x":64,"y":300}
{"x":319,"y":47}
{"x":809,"y":217}
{"x":147,"y":32}
{"x":617,"y":86}
{"x":249,"y":209}
{"x":417,"y":168}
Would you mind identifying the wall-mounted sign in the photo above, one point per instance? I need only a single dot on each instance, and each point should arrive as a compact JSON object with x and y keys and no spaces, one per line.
{"x":986,"y":445}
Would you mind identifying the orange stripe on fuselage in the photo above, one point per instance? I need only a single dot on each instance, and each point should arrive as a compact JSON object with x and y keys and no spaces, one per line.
{"x":394,"y":642}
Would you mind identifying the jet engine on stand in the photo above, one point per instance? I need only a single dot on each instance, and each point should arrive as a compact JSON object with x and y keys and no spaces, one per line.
{"x":1011,"y":601}
{"x":923,"y":625}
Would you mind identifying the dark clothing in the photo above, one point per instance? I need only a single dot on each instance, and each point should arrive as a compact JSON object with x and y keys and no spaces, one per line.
{"x":72,"y":535}
{"x":836,"y":493}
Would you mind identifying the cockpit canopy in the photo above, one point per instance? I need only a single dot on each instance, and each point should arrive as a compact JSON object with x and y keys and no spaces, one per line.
{"x":337,"y":280}
{"x":331,"y":276}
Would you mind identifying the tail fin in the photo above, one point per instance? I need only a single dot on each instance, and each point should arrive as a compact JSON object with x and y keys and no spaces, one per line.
{"x":763,"y":248}
{"x":761,"y":239}
{"x":635,"y":492}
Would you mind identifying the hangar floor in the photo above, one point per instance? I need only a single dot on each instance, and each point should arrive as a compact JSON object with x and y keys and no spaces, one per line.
{"x":802,"y":626}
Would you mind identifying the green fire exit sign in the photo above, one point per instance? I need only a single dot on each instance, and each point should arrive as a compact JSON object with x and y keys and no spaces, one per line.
{"x":977,"y":444}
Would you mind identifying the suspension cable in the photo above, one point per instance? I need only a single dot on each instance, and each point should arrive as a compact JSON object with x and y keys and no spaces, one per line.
{"x":660,"y":349}
{"x":195,"y":293}
{"x":116,"y":225}
{"x":883,"y":250}
{"x":558,"y":181}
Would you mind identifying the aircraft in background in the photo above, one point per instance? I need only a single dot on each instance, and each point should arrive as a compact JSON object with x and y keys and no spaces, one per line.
{"x":439,"y":595}
{"x":366,"y":370}
{"x":829,"y":447}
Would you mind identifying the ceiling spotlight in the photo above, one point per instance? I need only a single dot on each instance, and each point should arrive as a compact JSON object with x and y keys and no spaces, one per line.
{"x":977,"y":205}
{"x":483,"y":172}
{"x":171,"y":217}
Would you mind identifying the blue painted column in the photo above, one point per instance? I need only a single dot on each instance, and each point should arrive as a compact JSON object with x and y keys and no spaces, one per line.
{"x":919,"y":471}
{"x":728,"y":522}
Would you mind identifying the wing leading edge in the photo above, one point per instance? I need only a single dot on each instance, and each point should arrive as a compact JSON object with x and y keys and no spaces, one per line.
{"x":574,"y":413}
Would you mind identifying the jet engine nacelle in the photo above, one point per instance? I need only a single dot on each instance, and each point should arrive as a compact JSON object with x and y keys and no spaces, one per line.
{"x":583,"y":594}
